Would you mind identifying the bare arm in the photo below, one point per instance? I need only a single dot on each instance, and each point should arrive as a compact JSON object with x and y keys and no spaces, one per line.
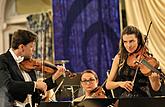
{"x":111,"y":84}
{"x":155,"y":81}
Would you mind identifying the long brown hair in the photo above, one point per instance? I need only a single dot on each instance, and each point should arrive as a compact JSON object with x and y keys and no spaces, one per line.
{"x":122,"y":50}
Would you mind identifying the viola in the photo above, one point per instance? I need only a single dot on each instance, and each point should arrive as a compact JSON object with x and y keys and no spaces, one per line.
{"x":144,"y":61}
{"x":98,"y":92}
{"x":33,"y":64}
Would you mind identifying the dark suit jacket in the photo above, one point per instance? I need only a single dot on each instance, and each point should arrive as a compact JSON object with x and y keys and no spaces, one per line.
{"x":12,"y":79}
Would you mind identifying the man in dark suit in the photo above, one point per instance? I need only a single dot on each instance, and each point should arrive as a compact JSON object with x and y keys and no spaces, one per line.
{"x":23,"y":89}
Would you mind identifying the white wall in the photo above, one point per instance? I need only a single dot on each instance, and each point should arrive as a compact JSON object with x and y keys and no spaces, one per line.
{"x":10,"y":19}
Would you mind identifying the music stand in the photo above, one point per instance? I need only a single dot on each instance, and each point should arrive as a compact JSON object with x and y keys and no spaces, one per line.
{"x":55,"y":104}
{"x":69,"y":89}
{"x":142,"y":102}
{"x":96,"y":102}
{"x":68,"y":84}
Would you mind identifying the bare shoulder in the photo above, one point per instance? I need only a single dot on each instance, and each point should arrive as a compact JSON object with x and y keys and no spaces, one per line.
{"x":115,"y":63}
{"x":116,"y":58}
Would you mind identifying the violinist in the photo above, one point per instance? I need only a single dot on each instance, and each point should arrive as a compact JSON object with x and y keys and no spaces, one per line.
{"x":124,"y":68}
{"x":89,"y":82}
{"x":23,"y":89}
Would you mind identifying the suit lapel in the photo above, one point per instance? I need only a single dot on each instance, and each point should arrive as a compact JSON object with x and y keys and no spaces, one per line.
{"x":14,"y":66}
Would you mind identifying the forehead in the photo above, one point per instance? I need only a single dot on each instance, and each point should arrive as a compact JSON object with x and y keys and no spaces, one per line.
{"x":127,"y":37}
{"x":87,"y":76}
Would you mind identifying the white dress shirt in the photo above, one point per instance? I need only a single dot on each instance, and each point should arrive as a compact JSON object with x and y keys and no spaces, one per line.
{"x":26,"y":77}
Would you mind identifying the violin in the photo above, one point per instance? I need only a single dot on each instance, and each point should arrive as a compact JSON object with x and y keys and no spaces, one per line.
{"x":47,"y":67}
{"x":33,"y":64}
{"x":98,"y":92}
{"x":144,"y":61}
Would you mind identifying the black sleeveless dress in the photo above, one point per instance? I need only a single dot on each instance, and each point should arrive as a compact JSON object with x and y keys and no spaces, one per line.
{"x":141,"y":85}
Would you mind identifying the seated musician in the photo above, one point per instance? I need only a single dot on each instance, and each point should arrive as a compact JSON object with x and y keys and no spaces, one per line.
{"x":89,"y":82}
{"x":125,"y":66}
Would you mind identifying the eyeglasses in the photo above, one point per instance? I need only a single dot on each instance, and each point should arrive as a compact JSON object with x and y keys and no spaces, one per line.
{"x":86,"y":81}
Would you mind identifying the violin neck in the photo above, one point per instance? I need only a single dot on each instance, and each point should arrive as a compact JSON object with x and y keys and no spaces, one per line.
{"x":144,"y":62}
{"x":51,"y":66}
{"x":149,"y":66}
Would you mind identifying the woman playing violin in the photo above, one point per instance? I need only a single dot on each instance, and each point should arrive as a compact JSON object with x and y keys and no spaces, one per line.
{"x":89,"y":82}
{"x":124,"y":67}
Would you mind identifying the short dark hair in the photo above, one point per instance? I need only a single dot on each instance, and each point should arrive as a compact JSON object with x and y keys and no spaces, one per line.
{"x":89,"y":71}
{"x":22,"y":37}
